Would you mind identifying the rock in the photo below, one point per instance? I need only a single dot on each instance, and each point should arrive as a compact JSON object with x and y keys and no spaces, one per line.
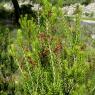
{"x":69,"y":10}
{"x":89,"y":10}
{"x":8,"y":6}
{"x":27,"y":2}
{"x":93,"y":36}
{"x":36,"y":7}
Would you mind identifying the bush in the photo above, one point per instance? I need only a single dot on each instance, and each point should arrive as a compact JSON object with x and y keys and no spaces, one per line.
{"x":51,"y":55}
{"x":7,"y":65}
{"x":68,"y":2}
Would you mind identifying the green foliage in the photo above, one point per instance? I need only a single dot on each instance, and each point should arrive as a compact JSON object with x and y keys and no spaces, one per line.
{"x":7,"y":65}
{"x":47,"y":57}
{"x":68,"y":2}
{"x":51,"y":56}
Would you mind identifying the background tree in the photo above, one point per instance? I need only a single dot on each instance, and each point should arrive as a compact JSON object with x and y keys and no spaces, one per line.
{"x":17,"y":10}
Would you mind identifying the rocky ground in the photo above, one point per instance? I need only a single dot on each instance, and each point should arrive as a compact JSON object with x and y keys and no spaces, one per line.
{"x":87,"y":11}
